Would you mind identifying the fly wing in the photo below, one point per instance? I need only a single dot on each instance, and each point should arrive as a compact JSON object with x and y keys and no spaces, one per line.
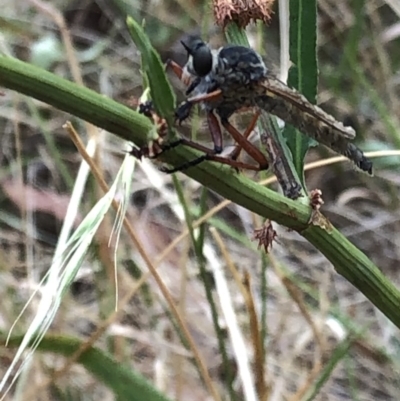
{"x":292,"y":107}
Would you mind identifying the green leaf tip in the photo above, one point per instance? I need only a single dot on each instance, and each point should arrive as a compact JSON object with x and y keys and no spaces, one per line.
{"x":161,"y":91}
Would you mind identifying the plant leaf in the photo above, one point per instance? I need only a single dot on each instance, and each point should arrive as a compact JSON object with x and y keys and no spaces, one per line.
{"x":303,"y":76}
{"x":160,"y":88}
{"x":126,"y":384}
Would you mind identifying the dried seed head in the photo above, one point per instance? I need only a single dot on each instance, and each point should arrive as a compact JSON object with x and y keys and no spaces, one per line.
{"x":265,"y":236}
{"x":242,"y":11}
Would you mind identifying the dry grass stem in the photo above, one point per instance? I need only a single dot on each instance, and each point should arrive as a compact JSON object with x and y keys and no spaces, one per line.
{"x":136,"y":241}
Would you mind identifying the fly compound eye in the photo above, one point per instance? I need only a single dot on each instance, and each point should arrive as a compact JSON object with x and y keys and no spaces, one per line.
{"x":201,"y":57}
{"x":202,"y":61}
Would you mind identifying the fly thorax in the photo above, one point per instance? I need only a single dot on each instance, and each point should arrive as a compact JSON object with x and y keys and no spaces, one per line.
{"x":238,"y":66}
{"x":237,"y":71}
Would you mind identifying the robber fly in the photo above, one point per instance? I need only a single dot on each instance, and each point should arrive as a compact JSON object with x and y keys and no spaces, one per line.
{"x":232,"y":78}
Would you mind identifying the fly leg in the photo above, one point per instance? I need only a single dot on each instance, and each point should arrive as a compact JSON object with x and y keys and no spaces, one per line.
{"x":209,"y":155}
{"x":176,"y":68}
{"x":183,"y":111}
{"x":212,"y":154}
{"x":185,"y":78}
{"x":234,"y":155}
{"x":216,"y":135}
{"x":248,"y":147}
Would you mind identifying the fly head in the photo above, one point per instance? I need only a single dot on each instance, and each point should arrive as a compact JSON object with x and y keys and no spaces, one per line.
{"x":200,"y":57}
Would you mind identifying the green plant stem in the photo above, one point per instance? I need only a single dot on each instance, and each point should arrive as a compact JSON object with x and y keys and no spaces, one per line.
{"x":128,"y":124}
{"x":74,"y":99}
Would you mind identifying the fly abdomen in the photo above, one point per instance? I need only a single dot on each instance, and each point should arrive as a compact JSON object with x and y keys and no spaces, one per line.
{"x":315,"y":128}
{"x":307,"y":123}
{"x":356,"y":155}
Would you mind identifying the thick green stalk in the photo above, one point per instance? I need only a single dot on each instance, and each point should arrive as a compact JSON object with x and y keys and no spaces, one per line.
{"x":74,"y":99}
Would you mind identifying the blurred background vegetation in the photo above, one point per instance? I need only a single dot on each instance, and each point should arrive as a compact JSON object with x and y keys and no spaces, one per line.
{"x":322,"y":339}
